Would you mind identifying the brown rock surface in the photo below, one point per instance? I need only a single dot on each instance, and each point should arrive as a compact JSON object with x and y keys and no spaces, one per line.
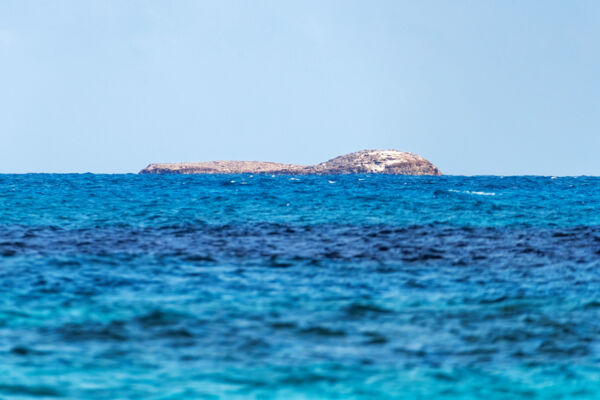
{"x":361,"y":162}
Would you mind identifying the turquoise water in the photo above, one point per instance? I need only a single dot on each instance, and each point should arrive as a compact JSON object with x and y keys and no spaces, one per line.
{"x":353,"y":287}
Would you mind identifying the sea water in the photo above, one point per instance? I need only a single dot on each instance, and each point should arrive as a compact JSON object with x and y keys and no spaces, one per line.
{"x":305,"y":287}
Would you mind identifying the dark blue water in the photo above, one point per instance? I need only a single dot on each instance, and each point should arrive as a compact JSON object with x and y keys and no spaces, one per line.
{"x":349,"y":287}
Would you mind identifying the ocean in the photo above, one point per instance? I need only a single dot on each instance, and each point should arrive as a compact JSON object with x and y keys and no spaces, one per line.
{"x":299,"y":287}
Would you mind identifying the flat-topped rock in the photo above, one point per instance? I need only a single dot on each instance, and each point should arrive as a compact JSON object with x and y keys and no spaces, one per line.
{"x":361,"y":162}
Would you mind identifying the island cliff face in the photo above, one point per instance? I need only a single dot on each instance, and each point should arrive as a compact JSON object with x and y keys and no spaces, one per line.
{"x":391,"y":162}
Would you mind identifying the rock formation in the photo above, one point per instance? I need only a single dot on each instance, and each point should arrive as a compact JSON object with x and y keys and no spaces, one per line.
{"x":391,"y":162}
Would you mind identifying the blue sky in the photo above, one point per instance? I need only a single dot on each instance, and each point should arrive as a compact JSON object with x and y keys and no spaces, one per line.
{"x":477,"y":87}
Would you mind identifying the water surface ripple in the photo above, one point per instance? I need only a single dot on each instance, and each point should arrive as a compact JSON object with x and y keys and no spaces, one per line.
{"x":354,"y":287}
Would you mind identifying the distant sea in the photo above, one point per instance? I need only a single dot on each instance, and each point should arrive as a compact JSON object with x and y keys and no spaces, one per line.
{"x":303,"y":287}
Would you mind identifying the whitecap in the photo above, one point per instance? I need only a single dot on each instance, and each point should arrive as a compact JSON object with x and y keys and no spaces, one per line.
{"x":483,"y":193}
{"x":472,"y":192}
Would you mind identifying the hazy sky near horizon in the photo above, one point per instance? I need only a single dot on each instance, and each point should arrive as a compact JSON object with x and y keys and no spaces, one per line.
{"x":477,"y":87}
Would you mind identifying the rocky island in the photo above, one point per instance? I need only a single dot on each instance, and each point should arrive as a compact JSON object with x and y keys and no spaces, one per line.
{"x":391,"y":162}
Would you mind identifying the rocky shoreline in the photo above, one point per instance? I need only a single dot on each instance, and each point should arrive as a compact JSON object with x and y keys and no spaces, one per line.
{"x":392,"y":162}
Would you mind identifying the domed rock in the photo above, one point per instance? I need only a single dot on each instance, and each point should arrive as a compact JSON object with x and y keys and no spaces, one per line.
{"x":391,"y":162}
